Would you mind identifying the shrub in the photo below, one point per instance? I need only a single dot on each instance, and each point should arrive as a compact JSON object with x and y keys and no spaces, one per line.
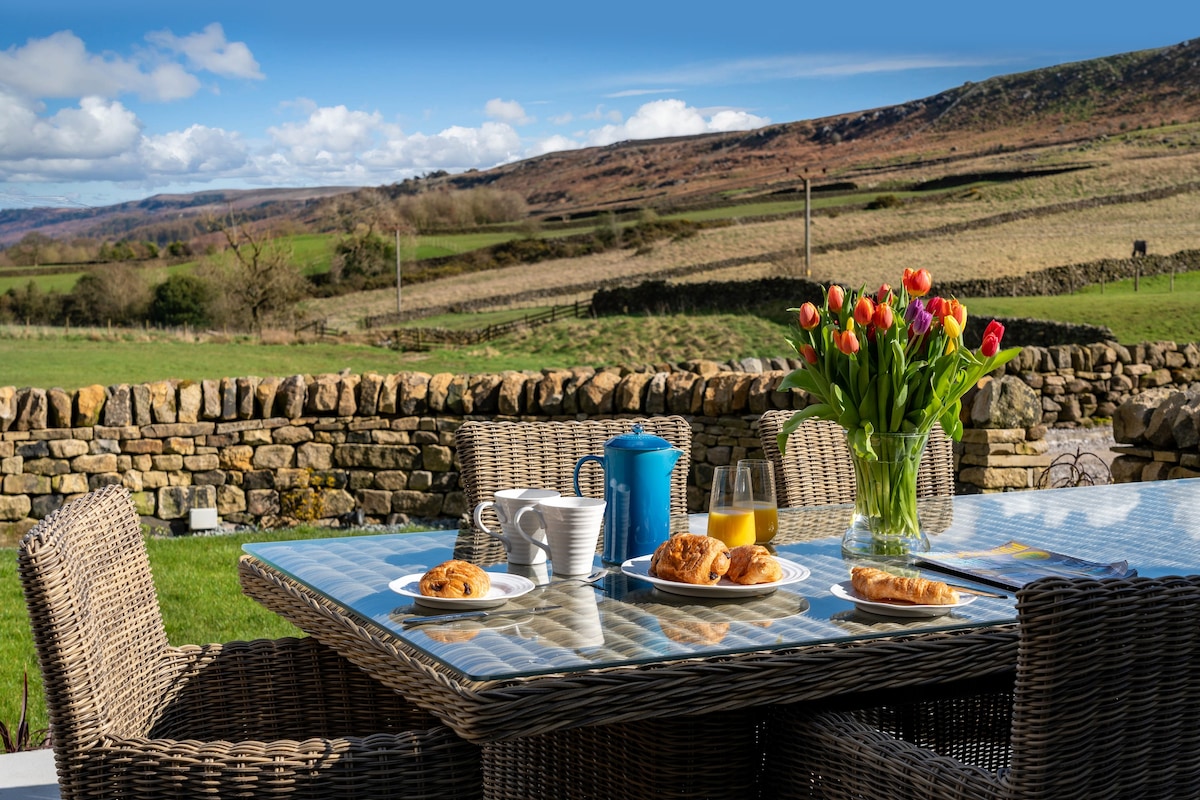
{"x":885,"y":201}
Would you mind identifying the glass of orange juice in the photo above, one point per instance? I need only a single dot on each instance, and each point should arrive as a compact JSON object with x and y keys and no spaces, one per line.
{"x":730,"y":508}
{"x":762,"y":492}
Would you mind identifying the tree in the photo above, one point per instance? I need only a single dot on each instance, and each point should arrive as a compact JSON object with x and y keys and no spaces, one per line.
{"x":362,"y":255}
{"x":255,"y":278}
{"x":32,"y":250}
{"x":182,"y":299}
{"x":114,"y":293}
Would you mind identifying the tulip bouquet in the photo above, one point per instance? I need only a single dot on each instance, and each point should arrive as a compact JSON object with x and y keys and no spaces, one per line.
{"x":888,"y":362}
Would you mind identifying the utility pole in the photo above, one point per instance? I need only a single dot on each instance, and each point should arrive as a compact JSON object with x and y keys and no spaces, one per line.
{"x":398,"y":262}
{"x":807,"y":227}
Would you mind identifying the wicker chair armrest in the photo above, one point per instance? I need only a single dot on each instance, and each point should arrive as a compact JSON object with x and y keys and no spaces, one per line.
{"x":276,"y":688}
{"x":863,"y":761}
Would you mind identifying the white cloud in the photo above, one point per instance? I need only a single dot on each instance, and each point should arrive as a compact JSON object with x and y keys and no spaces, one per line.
{"x":208,"y":50}
{"x":330,"y":134}
{"x":662,"y":118}
{"x":553,"y":144}
{"x":509,"y":111}
{"x":639,"y":92}
{"x":562,"y":119}
{"x":97,"y":128}
{"x":60,"y":66}
{"x":197,"y":150}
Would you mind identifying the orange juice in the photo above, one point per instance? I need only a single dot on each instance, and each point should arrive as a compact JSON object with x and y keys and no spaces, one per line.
{"x":733,"y":526}
{"x":766,"y":521}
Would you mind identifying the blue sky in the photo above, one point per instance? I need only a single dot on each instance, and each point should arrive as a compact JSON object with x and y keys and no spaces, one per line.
{"x":102,"y":102}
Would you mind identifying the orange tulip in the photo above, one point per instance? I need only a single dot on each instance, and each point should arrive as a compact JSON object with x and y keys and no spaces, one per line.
{"x":847,"y":340}
{"x":836,"y":297}
{"x":883,"y":317}
{"x":809,"y":316}
{"x":917,"y":282}
{"x":808,"y":353}
{"x":864,"y":309}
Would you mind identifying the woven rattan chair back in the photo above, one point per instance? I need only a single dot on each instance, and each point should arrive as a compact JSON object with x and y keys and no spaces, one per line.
{"x":1108,"y":689}
{"x":816,"y":469}
{"x":132,"y":716}
{"x":95,"y":618}
{"x":542,"y":455}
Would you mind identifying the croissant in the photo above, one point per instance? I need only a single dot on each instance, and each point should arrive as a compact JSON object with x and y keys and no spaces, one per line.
{"x":878,"y":585}
{"x":753,"y":563}
{"x":690,"y":558}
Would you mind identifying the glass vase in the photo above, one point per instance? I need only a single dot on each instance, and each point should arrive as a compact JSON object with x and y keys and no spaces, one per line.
{"x":886,"y":524}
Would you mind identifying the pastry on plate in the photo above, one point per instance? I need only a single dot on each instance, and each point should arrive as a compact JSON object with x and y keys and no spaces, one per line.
{"x":752,"y":564}
{"x":457,"y":579}
{"x":689,"y":558}
{"x":884,"y":587}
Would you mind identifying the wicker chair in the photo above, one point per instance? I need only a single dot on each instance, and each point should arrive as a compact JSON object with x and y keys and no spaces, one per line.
{"x":817,"y":470}
{"x":542,"y":455}
{"x":133,"y":717}
{"x":1107,"y":692}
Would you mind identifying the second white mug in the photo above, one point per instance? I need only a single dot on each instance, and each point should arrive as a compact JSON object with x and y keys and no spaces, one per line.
{"x":572,"y":526}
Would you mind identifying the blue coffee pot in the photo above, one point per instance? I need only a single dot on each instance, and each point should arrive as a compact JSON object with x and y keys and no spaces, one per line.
{"x":637,"y":489}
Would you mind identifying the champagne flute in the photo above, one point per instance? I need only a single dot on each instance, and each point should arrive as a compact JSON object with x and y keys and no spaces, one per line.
{"x":730,"y":509}
{"x":762,"y":490}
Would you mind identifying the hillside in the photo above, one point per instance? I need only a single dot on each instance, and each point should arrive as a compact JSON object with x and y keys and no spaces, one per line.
{"x":923,"y":140}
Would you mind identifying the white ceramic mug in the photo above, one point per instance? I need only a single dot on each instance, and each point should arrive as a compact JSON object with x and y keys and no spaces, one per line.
{"x":523,"y":543}
{"x":572,"y":526}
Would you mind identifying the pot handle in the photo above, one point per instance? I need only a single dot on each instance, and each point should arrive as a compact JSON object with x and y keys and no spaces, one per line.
{"x":579,"y":464}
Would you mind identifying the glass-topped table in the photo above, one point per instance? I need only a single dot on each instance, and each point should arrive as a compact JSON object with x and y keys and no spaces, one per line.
{"x":621,"y":649}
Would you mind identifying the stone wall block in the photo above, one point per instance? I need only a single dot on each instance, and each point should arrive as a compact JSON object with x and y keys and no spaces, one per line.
{"x":8,"y":407}
{"x":482,"y":394}
{"x":438,"y":386}
{"x":14,"y":507}
{"x":597,"y":395}
{"x":32,"y":410}
{"x":247,"y":395}
{"x":631,"y":393}
{"x":59,"y":408}
{"x":95,"y":401}
{"x":291,"y":398}
{"x":412,"y":394}
{"x":274,"y":456}
{"x":264,"y":395}
{"x":190,"y":399}
{"x":347,"y":402}
{"x":67,"y":448}
{"x":511,"y":394}
{"x":314,"y":455}
{"x":370,"y":385}
{"x":550,"y":391}
{"x":210,"y":407}
{"x":228,"y":393}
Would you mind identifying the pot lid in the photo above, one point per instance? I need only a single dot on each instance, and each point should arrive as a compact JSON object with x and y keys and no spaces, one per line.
{"x":638,"y":439}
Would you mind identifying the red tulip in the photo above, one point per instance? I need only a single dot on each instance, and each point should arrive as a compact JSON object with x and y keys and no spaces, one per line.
{"x":836,"y":297}
{"x":934,"y":306}
{"x":809,"y":316}
{"x":808,"y":353}
{"x":883,"y":317}
{"x":864,"y":309}
{"x":884,"y":294}
{"x":917,"y":282}
{"x":991,"y":339}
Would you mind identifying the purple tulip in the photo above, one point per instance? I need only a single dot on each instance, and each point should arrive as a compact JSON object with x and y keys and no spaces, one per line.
{"x":918,"y":318}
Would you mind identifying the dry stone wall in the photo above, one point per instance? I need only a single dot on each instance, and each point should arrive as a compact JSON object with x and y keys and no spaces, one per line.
{"x":275,"y":450}
{"x":1158,"y":436}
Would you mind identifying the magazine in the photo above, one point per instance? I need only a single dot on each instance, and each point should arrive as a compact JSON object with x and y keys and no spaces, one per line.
{"x":1013,"y":564}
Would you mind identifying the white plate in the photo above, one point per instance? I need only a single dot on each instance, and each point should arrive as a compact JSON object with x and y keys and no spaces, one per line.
{"x":640,"y":568}
{"x":505,"y":586}
{"x":845,"y":591}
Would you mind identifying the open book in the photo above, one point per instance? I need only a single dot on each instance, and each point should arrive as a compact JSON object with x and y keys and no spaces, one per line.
{"x":1013,"y":564}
